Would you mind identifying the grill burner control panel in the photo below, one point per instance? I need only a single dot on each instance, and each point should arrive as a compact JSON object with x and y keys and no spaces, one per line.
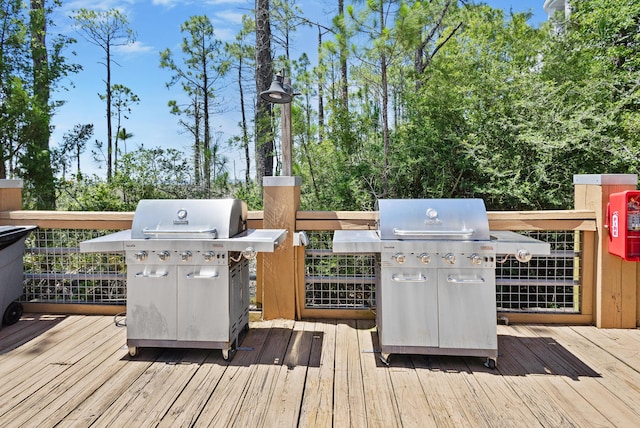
{"x":439,"y":260}
{"x":179,"y":257}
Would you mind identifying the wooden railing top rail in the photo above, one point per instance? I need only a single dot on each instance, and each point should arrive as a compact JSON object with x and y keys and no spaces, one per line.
{"x":308,"y":220}
{"x":498,"y":220}
{"x":98,"y":220}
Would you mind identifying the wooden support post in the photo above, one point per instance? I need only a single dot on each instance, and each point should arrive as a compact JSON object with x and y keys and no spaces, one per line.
{"x":10,"y":195}
{"x":615,"y":299}
{"x":281,"y":203}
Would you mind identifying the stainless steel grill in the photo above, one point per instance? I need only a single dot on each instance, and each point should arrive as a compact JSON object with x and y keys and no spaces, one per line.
{"x":187,"y":272}
{"x":435,"y":289}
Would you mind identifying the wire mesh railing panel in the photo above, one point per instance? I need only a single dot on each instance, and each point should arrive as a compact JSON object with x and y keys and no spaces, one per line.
{"x":56,"y":271}
{"x":337,"y":281}
{"x":545,"y":284}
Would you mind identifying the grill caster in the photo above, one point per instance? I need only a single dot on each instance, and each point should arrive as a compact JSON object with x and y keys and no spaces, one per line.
{"x":227,"y":354}
{"x":490,"y":363}
{"x":385,"y":358}
{"x":133,"y":351}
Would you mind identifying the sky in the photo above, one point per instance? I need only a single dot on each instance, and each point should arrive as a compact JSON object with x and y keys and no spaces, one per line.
{"x":157,"y":24}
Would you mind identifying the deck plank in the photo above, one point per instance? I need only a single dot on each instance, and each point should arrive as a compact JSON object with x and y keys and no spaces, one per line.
{"x":224,"y":401}
{"x":30,"y":328}
{"x":38,"y":348}
{"x":534,"y":369}
{"x":613,"y":389}
{"x":284,"y":408}
{"x":185,"y":410}
{"x":412,"y":401}
{"x":317,"y":403}
{"x":120,"y":377}
{"x":264,"y":375}
{"x":349,"y":408}
{"x":74,"y":371}
{"x":60,"y":388}
{"x":52,"y":360}
{"x":381,"y":406}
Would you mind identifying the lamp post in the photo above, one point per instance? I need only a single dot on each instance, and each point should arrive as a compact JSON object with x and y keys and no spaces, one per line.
{"x":281,"y":92}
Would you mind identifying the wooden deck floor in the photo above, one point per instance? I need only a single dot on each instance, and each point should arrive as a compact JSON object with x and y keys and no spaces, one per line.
{"x":74,"y":371}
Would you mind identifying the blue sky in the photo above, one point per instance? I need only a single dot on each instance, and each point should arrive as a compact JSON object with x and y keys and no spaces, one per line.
{"x":157,"y":23}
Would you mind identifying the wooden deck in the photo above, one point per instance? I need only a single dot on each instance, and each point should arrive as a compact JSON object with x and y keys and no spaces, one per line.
{"x":75,"y":371}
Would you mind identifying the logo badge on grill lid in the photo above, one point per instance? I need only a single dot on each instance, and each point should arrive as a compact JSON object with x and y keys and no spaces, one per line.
{"x":182,"y":217}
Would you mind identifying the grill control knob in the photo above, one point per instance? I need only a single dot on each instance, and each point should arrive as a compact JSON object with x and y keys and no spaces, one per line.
{"x":164,"y":255}
{"x":449,"y":258}
{"x":186,"y":256}
{"x":523,"y":256}
{"x":400,"y":258}
{"x":141,"y":256}
{"x":209,"y":255}
{"x":475,"y":259}
{"x":424,"y":258}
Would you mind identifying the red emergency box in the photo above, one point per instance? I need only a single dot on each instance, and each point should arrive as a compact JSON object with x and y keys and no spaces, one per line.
{"x":623,"y":222}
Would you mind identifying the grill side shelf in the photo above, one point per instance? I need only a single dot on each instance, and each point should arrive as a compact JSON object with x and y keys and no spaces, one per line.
{"x":356,"y":241}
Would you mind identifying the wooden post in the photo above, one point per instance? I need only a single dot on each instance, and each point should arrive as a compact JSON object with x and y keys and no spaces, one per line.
{"x":10,"y":195}
{"x":616,"y":293}
{"x":281,"y":203}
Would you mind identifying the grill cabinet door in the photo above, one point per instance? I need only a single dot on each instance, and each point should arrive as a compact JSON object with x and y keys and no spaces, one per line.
{"x":151,"y":301}
{"x":203,"y":303}
{"x":467,"y":308}
{"x":407,"y":307}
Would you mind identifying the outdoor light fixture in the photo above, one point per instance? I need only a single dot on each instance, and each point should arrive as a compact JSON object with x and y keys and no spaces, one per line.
{"x":280,"y":91}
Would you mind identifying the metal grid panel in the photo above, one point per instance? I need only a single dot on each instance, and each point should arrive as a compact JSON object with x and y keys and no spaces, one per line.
{"x":56,"y":271}
{"x":337,"y":281}
{"x":545,"y":284}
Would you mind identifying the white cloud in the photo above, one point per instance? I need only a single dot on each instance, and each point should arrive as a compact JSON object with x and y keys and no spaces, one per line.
{"x":230,"y":17}
{"x":134,"y":48}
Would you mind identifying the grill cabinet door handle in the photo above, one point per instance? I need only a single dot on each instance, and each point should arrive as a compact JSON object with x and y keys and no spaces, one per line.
{"x":194,"y":275}
{"x":463,"y":232}
{"x":465,"y":281}
{"x":152,"y":275}
{"x":402,"y":278}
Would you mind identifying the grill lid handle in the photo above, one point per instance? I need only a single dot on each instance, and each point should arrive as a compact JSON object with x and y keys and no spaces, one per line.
{"x":463,"y":232}
{"x":208,"y":231}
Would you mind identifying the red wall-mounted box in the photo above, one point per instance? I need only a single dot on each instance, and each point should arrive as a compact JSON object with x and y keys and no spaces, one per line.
{"x":623,"y":222}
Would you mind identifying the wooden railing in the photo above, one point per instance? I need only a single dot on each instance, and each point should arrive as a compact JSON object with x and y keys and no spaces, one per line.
{"x":609,"y":286}
{"x":583,"y":222}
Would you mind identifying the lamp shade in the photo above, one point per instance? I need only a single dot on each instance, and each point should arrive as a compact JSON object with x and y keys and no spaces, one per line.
{"x":277,"y":93}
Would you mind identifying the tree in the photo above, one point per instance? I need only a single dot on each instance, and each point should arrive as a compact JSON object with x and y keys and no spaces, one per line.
{"x":242,"y":55}
{"x":205,"y":66}
{"x":122,"y":99}
{"x":74,"y":144}
{"x":31,"y":69}
{"x":105,"y":29}
{"x":264,"y":75}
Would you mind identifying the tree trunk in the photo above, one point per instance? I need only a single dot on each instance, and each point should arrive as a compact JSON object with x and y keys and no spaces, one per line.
{"x":109,"y":132}
{"x":245,"y":130}
{"x":206,"y":142}
{"x":385,"y":112}
{"x":264,"y":76}
{"x":320,"y":92}
{"x":38,"y":155}
{"x":344,"y":53}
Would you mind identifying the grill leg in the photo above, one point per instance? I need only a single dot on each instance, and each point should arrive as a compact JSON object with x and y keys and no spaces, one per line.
{"x":490,"y":363}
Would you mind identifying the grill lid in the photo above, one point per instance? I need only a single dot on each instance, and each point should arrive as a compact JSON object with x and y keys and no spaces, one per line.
{"x":188,"y":218}
{"x":433,"y":219}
